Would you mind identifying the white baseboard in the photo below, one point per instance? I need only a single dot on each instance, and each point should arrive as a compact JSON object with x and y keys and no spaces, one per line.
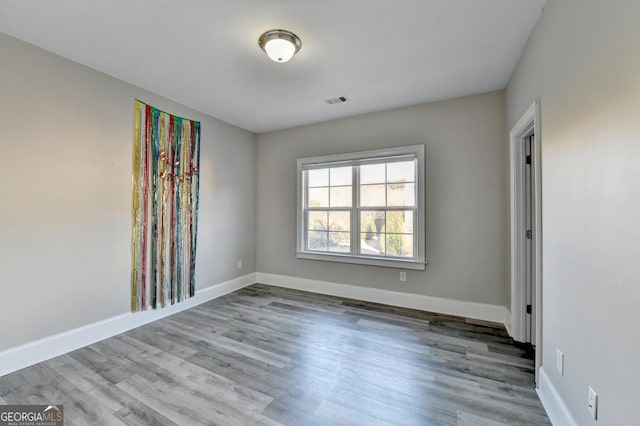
{"x":481,"y":311}
{"x":41,"y":350}
{"x":557,"y":410}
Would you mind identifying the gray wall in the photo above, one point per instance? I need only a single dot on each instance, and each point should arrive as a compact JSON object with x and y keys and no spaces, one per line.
{"x":465,"y":204}
{"x":583,"y":62}
{"x":65,"y":191}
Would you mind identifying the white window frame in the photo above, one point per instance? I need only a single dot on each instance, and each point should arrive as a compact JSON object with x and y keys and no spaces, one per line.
{"x":354,"y":159}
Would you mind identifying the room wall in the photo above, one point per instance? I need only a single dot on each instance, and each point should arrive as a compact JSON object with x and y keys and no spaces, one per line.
{"x":65,"y":173}
{"x":583,"y":62}
{"x":465,"y":196}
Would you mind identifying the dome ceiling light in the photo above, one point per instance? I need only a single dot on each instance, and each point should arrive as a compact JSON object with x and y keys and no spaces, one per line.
{"x":279,"y":45}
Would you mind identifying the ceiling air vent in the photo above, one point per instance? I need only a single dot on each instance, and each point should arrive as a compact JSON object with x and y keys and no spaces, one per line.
{"x":337,"y":100}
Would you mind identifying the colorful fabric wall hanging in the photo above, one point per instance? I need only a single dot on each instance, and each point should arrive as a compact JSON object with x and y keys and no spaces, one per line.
{"x":166,"y":159}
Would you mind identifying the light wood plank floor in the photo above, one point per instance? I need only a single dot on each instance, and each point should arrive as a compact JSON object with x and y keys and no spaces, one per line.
{"x":266,"y":355}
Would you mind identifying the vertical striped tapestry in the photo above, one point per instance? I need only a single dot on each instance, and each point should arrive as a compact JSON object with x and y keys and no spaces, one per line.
{"x":166,"y":158}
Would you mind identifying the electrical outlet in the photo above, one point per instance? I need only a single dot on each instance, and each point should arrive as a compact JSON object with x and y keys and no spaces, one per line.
{"x":592,"y":403}
{"x":403,"y":276}
{"x":560,"y":362}
{"x":239,"y":264}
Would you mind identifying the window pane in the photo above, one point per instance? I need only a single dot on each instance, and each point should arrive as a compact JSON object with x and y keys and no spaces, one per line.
{"x":399,"y":245}
{"x":318,"y":197}
{"x":341,"y":196}
{"x":372,"y":222}
{"x":371,"y":226}
{"x":372,"y":195}
{"x":340,"y":221}
{"x":339,"y":242}
{"x":403,"y":171}
{"x":394,"y":243}
{"x":406,"y":218}
{"x":341,"y":176}
{"x":317,"y":240}
{"x":372,"y":173}
{"x":394,"y":223}
{"x":370,"y":243}
{"x":317,"y":177}
{"x":318,"y":220}
{"x":401,"y":194}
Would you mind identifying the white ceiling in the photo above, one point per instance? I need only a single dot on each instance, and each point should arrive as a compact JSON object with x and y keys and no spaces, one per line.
{"x":380,"y":54}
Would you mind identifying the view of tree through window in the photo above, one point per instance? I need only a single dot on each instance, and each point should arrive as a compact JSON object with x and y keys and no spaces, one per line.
{"x":366,"y":208}
{"x":386,"y":226}
{"x":363,"y":207}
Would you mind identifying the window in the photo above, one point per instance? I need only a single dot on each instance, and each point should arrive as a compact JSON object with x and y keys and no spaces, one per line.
{"x":363,"y":207}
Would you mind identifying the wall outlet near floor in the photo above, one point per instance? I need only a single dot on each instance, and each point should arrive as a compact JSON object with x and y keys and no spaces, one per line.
{"x":592,"y":403}
{"x":560,"y":362}
{"x":403,"y":276}
{"x":239,"y":264}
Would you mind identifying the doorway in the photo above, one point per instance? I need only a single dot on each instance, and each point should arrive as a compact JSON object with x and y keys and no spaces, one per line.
{"x":529,"y":227}
{"x":526,"y":231}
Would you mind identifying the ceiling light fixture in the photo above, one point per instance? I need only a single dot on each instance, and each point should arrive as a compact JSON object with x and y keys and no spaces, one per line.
{"x":279,"y":45}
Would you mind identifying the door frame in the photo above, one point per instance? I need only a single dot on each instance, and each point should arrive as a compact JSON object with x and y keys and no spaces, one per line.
{"x":529,"y":123}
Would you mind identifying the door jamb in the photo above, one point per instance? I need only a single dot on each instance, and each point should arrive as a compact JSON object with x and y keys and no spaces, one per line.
{"x":528,"y":123}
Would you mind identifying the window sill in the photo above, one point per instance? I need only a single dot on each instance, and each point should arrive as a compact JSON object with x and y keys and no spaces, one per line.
{"x":387,"y":263}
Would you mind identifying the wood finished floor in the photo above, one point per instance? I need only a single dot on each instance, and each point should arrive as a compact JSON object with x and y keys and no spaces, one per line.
{"x":266,"y":355}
